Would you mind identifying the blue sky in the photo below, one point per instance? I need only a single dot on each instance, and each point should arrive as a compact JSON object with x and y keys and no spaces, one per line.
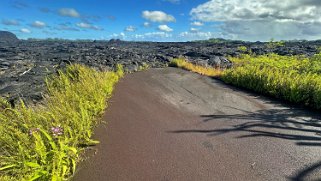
{"x":162,"y":20}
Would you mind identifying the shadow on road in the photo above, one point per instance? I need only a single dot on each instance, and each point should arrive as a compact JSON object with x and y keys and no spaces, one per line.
{"x":276,"y":120}
{"x":302,"y":174}
{"x":301,"y":127}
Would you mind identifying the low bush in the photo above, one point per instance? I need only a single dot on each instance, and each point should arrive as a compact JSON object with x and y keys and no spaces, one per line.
{"x":43,"y":142}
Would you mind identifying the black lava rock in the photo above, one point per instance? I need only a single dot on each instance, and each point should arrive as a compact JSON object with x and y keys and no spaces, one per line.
{"x":25,"y":63}
{"x":6,"y":36}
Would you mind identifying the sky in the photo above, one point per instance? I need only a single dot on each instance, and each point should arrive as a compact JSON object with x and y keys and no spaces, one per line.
{"x":163,"y":20}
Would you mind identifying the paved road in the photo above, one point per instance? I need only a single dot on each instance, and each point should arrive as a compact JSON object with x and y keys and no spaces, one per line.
{"x":170,"y":124}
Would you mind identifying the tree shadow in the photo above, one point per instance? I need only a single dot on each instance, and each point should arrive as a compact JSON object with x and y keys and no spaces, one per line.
{"x":297,"y":125}
{"x":304,"y":173}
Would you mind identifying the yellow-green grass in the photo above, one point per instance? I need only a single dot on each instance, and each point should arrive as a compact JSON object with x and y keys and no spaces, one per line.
{"x":297,"y":63}
{"x":208,"y":71}
{"x":43,"y":142}
{"x":293,"y":78}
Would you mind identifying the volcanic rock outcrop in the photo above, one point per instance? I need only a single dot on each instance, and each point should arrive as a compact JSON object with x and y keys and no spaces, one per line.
{"x":6,"y":36}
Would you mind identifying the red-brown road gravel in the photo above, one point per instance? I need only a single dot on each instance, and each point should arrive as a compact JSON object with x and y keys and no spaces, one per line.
{"x":170,"y":124}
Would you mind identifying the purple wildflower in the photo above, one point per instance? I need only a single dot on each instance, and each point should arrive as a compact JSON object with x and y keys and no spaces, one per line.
{"x":33,"y":130}
{"x":57,"y":131}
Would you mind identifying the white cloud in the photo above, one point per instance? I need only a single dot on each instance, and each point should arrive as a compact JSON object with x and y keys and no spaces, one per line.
{"x":88,"y":26}
{"x":119,"y":36}
{"x":152,"y":36}
{"x":193,"y":30}
{"x":68,"y":12}
{"x":249,"y":19}
{"x":66,"y":27}
{"x":158,"y":34}
{"x":197,"y":23}
{"x":146,"y":24}
{"x":25,"y":30}
{"x":238,"y":10}
{"x":130,"y":29}
{"x":158,"y":16}
{"x":198,"y":35}
{"x":38,"y":24}
{"x":83,"y":25}
{"x":257,"y":30}
{"x":165,"y":28}
{"x":10,"y":22}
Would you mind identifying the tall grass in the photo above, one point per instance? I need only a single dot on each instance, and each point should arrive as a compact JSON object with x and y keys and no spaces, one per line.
{"x":293,"y":78}
{"x":43,"y":142}
{"x":208,"y":71}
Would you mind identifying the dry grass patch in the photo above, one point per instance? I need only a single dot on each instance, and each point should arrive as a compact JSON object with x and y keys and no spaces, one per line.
{"x":208,"y":71}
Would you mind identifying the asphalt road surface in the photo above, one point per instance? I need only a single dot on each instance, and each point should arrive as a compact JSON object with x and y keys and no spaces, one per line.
{"x":171,"y":124}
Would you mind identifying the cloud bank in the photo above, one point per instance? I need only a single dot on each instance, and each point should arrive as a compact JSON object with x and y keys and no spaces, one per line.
{"x":261,"y":19}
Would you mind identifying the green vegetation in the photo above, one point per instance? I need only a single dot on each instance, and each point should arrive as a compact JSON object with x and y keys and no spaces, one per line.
{"x":275,"y":44}
{"x":208,"y":71}
{"x":293,"y":78}
{"x":43,"y":142}
{"x":143,"y":67}
{"x":242,"y":49}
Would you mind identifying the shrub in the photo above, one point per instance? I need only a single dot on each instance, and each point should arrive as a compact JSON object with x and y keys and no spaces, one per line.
{"x":143,"y":67}
{"x":275,"y":44}
{"x":242,"y":49}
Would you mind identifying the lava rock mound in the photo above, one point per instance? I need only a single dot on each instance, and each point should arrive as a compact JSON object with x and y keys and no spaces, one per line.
{"x":6,"y":36}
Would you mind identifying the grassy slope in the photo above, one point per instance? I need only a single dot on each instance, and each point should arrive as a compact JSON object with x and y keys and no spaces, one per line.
{"x":43,"y":142}
{"x":293,"y":78}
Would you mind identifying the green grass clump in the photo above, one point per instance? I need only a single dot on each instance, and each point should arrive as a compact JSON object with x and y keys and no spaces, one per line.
{"x":208,"y":71}
{"x":275,"y":44}
{"x":143,"y":67}
{"x":242,"y":49}
{"x":293,"y":78}
{"x":43,"y":142}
